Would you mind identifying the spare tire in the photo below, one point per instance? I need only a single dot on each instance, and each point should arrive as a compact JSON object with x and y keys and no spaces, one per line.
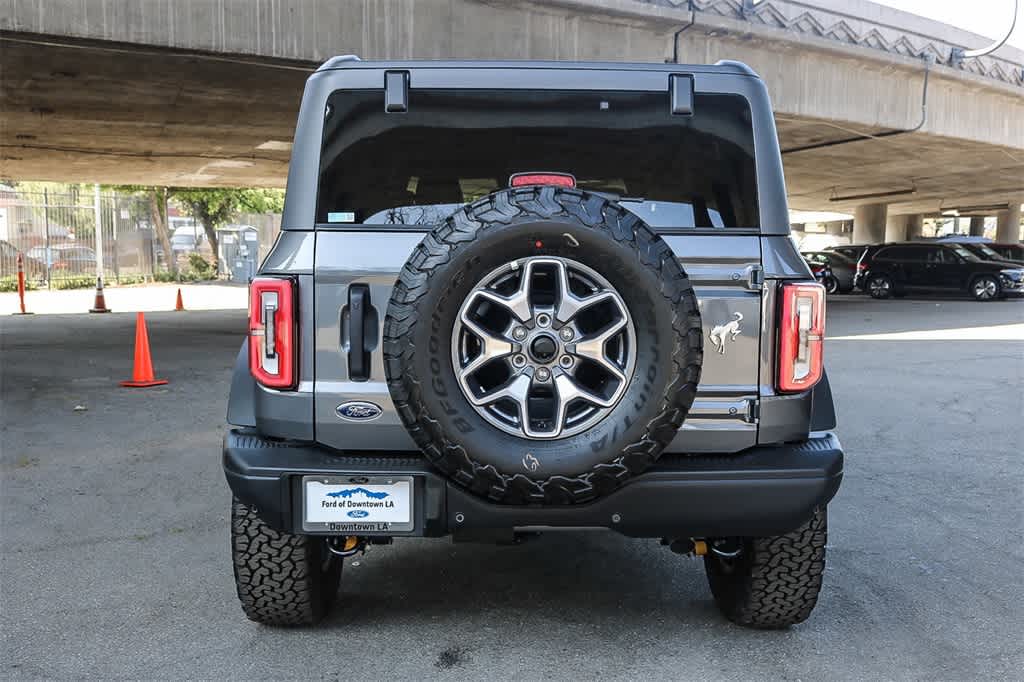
{"x":542,"y":345}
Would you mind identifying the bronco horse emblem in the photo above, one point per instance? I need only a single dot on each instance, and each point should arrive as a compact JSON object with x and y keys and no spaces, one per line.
{"x":721,"y":333}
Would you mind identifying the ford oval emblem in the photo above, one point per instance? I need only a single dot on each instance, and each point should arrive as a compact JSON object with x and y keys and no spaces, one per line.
{"x":359,"y":514}
{"x":358,"y":411}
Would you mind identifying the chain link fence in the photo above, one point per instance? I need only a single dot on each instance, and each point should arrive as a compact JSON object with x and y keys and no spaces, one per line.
{"x":56,"y":234}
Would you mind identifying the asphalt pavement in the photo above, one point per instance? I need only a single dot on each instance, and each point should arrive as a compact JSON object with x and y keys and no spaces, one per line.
{"x":114,"y":555}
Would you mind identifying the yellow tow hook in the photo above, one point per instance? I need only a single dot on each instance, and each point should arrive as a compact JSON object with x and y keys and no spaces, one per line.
{"x":700,"y":548}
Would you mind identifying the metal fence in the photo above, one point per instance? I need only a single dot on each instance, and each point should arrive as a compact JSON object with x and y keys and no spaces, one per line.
{"x":56,"y":234}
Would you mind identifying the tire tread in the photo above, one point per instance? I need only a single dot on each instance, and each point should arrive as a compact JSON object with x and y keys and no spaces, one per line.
{"x":494,"y":212}
{"x":779,"y":582}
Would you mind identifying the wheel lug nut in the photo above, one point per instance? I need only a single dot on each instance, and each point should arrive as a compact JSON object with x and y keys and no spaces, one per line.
{"x":565,"y":361}
{"x":519,"y":333}
{"x":543,"y":320}
{"x":519,"y":361}
{"x":543,"y":374}
{"x":565,"y":334}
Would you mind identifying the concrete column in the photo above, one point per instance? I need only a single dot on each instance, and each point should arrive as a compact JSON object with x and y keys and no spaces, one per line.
{"x":977,"y":226}
{"x":896,"y":228}
{"x":1008,"y":223}
{"x":915,"y":226}
{"x":869,"y":223}
{"x":834,"y":228}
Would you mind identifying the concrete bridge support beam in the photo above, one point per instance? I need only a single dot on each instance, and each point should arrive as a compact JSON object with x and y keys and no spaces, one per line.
{"x":977,"y":226}
{"x":915,"y":226}
{"x":869,"y":223}
{"x":896,"y":228}
{"x":1008,"y":223}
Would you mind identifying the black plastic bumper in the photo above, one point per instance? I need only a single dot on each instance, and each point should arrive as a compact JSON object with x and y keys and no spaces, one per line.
{"x":761,"y":492}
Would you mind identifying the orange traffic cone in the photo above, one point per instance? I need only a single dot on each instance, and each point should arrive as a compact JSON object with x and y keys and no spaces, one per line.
{"x":99,"y":303}
{"x":142,"y":372}
{"x":179,"y":305}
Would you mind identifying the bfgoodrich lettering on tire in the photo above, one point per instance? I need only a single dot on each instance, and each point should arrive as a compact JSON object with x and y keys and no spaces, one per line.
{"x":542,"y":345}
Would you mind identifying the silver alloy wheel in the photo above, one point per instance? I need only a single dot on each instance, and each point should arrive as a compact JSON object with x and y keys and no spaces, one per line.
{"x":579,"y":347}
{"x":879,"y":286}
{"x":985,"y":288}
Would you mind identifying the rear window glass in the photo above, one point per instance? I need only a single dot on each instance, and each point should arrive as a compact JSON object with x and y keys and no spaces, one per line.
{"x":453,"y":147}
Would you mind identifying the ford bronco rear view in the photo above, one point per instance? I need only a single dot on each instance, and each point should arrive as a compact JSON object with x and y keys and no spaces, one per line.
{"x":512,"y":298}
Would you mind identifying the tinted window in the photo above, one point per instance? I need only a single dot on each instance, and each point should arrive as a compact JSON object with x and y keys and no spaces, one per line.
{"x":984,"y":251}
{"x":853,"y":252}
{"x":959,"y":250}
{"x":1011,"y":251}
{"x":453,"y":147}
{"x":907,"y":253}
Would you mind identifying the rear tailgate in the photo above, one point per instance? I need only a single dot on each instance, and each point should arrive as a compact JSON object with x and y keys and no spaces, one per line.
{"x":356,"y":269}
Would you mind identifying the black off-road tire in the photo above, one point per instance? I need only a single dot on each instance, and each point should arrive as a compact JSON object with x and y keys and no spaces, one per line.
{"x":493,"y":231}
{"x":282,"y":579}
{"x":774,"y":582}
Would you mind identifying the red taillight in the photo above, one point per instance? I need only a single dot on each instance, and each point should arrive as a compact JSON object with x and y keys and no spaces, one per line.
{"x":272,"y":347}
{"x":557,"y":179}
{"x":861,"y":267}
{"x":801,"y":336}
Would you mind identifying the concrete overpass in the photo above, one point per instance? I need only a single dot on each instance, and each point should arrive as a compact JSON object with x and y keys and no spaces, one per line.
{"x":206,"y":92}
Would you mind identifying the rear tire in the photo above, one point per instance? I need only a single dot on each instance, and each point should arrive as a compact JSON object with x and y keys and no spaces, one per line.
{"x":282,"y":579}
{"x":880,"y":286}
{"x":774,"y":582}
{"x":831,"y":285}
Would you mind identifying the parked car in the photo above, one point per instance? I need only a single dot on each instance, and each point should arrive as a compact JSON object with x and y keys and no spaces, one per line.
{"x":851,"y":251}
{"x":899,"y":268}
{"x":1011,"y":252}
{"x":522,"y":359}
{"x":837,"y":272}
{"x":188,"y":239}
{"x":69,"y":259}
{"x":982,"y":250}
{"x":34,"y":270}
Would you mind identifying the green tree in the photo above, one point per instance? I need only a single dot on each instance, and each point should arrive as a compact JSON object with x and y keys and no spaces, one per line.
{"x":215,"y":207}
{"x":156,"y":197}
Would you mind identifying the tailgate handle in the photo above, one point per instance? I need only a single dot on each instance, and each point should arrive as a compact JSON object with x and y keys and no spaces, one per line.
{"x":359,"y":331}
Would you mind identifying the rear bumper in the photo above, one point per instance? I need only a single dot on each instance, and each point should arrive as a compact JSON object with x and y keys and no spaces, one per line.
{"x":763,"y":491}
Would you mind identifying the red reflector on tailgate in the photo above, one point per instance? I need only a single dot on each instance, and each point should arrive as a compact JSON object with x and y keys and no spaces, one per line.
{"x":556,"y":179}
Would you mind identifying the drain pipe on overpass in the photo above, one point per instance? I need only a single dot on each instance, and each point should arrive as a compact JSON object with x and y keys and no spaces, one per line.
{"x":956,"y":58}
{"x":959,"y":54}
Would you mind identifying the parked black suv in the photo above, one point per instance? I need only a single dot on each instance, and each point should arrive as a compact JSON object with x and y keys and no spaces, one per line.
{"x":510,"y":298}
{"x":899,"y":268}
{"x":1004,"y":253}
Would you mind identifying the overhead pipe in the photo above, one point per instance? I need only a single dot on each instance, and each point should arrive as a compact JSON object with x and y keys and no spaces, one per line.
{"x":958,"y":54}
{"x":675,"y":36}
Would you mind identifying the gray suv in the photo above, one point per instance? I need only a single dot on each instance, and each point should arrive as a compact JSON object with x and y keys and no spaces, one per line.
{"x":521,"y":297}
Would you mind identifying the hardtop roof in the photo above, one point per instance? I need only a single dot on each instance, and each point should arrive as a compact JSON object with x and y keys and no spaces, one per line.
{"x":724,"y":66}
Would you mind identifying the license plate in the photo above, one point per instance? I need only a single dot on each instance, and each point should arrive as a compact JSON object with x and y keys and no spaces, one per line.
{"x":377,"y":504}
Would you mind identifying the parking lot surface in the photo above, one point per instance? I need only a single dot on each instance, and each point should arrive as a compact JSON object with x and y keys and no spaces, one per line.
{"x":114,"y":555}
